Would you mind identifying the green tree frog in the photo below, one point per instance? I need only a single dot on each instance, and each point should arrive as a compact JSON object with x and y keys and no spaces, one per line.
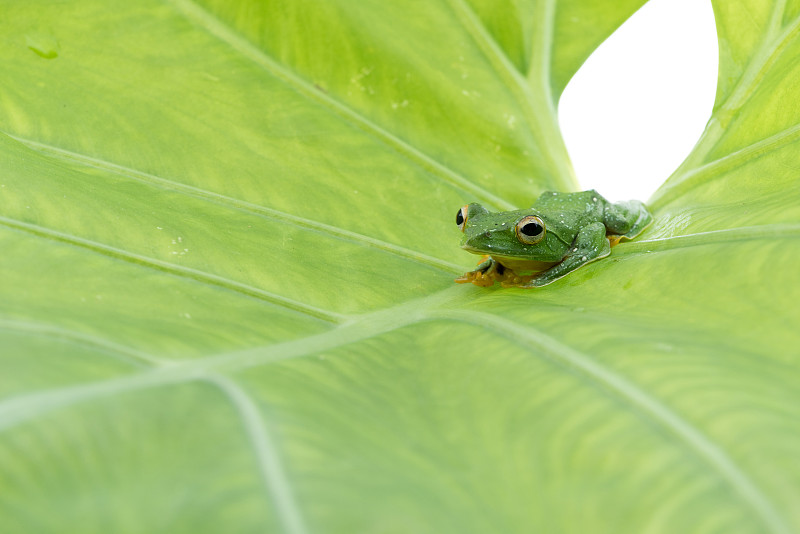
{"x":555,"y":236}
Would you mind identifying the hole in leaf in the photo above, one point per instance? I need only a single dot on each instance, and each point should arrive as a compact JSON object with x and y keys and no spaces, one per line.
{"x":635,"y":109}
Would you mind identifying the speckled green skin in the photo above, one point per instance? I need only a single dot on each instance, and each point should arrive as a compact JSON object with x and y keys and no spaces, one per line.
{"x":576,"y":226}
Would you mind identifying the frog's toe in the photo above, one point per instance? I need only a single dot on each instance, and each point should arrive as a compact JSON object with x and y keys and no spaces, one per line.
{"x":483,"y":282}
{"x":483,"y":279}
{"x":479,"y":277}
{"x":464,"y":278}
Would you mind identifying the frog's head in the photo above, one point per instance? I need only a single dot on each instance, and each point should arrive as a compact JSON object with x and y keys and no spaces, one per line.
{"x":508,"y":233}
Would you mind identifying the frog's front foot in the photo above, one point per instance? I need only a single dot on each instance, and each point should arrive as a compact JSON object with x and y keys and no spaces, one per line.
{"x":490,"y":271}
{"x":485,"y":275}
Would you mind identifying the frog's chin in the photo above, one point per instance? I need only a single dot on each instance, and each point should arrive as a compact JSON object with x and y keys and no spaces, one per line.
{"x":522,"y":266}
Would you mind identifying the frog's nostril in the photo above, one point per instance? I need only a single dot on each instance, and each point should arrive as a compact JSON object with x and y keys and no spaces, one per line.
{"x":487,"y":234}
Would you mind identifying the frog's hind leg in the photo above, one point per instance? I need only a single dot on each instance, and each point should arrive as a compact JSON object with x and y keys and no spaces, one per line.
{"x":643,"y":219}
{"x":626,"y":219}
{"x":590,"y":245}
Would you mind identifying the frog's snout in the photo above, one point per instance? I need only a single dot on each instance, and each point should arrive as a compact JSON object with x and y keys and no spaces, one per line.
{"x":465,"y":243}
{"x":476,"y":242}
{"x":480,"y":235}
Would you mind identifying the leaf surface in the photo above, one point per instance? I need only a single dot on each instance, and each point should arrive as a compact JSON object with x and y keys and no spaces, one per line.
{"x":228,"y":251}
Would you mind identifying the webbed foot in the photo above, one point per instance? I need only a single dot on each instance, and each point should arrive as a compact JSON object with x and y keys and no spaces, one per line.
{"x":483,"y":275}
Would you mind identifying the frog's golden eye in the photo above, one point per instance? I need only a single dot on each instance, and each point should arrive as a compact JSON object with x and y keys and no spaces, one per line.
{"x":461,"y":218}
{"x":530,"y":230}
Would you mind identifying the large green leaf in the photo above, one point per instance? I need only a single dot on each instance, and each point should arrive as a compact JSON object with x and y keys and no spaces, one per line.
{"x":227,"y":260}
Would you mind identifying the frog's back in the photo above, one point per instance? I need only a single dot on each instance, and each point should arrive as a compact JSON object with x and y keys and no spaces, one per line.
{"x":625,"y":219}
{"x":553,"y":201}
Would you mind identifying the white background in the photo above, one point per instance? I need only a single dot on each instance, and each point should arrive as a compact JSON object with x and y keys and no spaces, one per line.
{"x":635,"y":109}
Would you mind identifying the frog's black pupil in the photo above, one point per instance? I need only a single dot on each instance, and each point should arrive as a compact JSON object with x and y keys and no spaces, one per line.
{"x":459,"y":218}
{"x":531,"y":229}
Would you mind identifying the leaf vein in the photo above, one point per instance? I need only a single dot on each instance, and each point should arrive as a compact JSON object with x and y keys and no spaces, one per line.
{"x":765,"y":56}
{"x":127,"y":354}
{"x":176,"y":270}
{"x":542,"y":124}
{"x":272,"y":471}
{"x":25,"y":407}
{"x":643,"y":402}
{"x":695,"y":177}
{"x":712,"y":237}
{"x":244,"y":206}
{"x":240,"y":44}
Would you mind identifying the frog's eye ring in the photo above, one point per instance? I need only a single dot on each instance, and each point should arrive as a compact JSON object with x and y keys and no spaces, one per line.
{"x":530,"y":230}
{"x":461,"y":218}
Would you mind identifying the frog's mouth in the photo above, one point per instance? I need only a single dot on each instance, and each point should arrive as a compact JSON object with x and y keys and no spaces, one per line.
{"x":473,"y":249}
{"x":519,"y":266}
